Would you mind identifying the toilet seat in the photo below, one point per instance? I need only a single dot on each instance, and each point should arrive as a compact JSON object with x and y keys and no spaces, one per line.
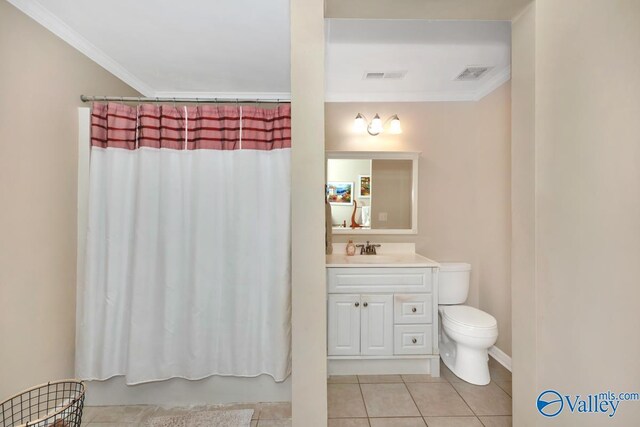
{"x":469,"y":320}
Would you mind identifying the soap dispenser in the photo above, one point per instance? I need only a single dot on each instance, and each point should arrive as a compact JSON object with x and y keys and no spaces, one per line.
{"x":351,"y":248}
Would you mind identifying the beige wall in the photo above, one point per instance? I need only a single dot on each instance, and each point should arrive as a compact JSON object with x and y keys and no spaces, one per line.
{"x":40,"y":85}
{"x":576,"y":205}
{"x":464,"y":200}
{"x":523,"y":218}
{"x":308,"y":295}
{"x":588,"y":200}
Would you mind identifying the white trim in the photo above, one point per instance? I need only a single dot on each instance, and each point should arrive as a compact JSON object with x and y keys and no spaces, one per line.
{"x":44,"y":17}
{"x":501,"y":357}
{"x":494,"y":83}
{"x":241,"y":96}
{"x":384,"y":365}
{"x":489,"y":86}
{"x":407,"y":155}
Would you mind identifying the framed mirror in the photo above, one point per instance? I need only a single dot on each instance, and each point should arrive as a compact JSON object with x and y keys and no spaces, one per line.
{"x":373,"y":192}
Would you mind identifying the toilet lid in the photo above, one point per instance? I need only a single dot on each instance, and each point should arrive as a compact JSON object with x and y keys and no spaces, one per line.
{"x":469,"y":316}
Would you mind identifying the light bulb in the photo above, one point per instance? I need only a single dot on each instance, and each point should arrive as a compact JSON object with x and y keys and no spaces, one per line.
{"x":359,"y":124}
{"x":395,"y":127}
{"x":376,"y":125}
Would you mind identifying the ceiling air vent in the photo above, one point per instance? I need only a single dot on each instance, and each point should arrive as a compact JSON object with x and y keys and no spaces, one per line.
{"x":472,"y":73}
{"x":378,"y":75}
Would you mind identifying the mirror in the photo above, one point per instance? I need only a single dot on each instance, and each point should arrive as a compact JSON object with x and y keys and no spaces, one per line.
{"x":373,"y":192}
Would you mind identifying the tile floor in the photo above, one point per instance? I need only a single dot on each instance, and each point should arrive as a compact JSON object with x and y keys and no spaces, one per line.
{"x":366,"y":401}
{"x":420,"y":400}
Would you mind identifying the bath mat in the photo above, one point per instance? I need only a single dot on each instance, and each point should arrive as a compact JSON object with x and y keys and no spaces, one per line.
{"x":221,"y":418}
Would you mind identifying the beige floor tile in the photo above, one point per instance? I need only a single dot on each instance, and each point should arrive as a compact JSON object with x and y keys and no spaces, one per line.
{"x":379,"y":379}
{"x":453,"y":422}
{"x":397,"y":422}
{"x":345,"y":400}
{"x":388,"y":400}
{"x":497,"y":421}
{"x":275,"y":411}
{"x":89,"y":413}
{"x":254,"y":423}
{"x":447,"y":374}
{"x":123,"y":414}
{"x":342,"y":379}
{"x":505,"y":385}
{"x":274,"y":423}
{"x":348,"y":422}
{"x":497,"y":371}
{"x":438,"y":400}
{"x":485,"y":400}
{"x":422,"y":378}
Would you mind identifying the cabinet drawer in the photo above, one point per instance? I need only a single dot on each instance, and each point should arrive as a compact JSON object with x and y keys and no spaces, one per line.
{"x":417,"y":308}
{"x":354,"y":280}
{"x":413,"y":339}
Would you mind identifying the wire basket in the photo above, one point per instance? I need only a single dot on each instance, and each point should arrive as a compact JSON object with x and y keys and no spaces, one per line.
{"x":54,"y":404}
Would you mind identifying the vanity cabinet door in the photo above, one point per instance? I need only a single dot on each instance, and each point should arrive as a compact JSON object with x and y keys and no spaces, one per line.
{"x":344,"y":325}
{"x":377,"y":325}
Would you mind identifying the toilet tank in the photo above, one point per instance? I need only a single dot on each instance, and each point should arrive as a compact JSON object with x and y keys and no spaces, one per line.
{"x":453,"y":282}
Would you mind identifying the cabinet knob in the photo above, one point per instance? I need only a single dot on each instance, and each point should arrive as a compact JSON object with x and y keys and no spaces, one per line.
{"x":365,"y":304}
{"x":414,"y":340}
{"x":357,"y":304}
{"x":414,"y":309}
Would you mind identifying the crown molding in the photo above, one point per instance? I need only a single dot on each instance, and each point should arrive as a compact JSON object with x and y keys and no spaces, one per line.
{"x":494,"y":83}
{"x":489,"y":86}
{"x":44,"y":17}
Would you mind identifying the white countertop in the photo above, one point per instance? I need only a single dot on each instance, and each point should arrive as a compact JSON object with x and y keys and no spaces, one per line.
{"x":389,"y":255}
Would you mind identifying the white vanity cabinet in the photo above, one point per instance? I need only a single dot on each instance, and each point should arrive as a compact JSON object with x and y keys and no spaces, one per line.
{"x":382,"y":319}
{"x":360,"y":324}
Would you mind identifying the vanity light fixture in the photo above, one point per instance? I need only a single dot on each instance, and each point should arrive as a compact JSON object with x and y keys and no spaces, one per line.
{"x":376,"y":126}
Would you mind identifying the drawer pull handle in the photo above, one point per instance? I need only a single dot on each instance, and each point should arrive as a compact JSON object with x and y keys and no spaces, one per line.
{"x":414,"y":340}
{"x":357,"y":304}
{"x":365,"y":304}
{"x":414,"y":309}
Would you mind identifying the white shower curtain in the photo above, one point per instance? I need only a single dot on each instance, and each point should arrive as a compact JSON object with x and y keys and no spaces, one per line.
{"x":188,"y":254}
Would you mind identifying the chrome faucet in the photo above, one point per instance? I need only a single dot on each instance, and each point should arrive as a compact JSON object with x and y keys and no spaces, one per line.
{"x":368,"y":249}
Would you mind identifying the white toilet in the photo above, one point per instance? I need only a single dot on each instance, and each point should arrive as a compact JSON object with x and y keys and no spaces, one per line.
{"x":465,"y":333}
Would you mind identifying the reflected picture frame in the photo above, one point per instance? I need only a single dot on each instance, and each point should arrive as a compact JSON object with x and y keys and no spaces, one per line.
{"x":364,"y":186}
{"x":340,"y":193}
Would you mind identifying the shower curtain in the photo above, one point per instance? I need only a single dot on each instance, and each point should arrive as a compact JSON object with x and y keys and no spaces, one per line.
{"x":188,"y":244}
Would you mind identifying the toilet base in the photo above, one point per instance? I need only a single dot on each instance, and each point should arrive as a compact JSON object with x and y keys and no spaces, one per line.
{"x":468,"y":364}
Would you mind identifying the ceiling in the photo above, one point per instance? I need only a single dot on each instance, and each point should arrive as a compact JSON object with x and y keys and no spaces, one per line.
{"x":172,"y":48}
{"x":240,"y":49}
{"x":486,"y":10}
{"x":430,"y":54}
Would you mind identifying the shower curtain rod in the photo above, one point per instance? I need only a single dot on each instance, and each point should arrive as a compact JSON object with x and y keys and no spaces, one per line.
{"x":92,"y":98}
